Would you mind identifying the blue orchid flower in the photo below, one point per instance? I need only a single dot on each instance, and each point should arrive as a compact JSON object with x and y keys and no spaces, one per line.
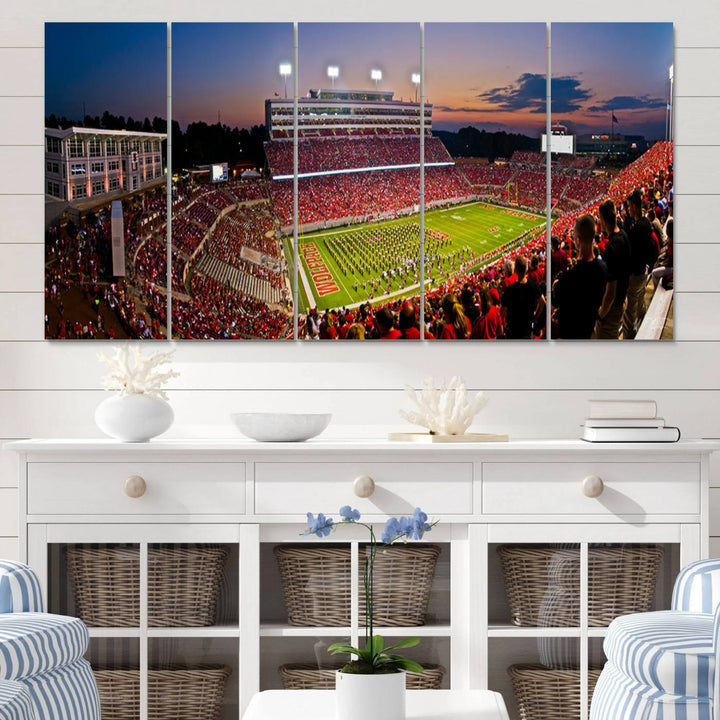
{"x":392,"y":531}
{"x":420,"y":525}
{"x":320,"y":525}
{"x":349,"y":514}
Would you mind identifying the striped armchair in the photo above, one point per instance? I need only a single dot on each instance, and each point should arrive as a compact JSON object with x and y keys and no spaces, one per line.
{"x":43,"y":675}
{"x":661,"y":665}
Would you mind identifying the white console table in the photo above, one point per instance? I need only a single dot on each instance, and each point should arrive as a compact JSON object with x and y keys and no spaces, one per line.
{"x":253,"y":496}
{"x":421,"y":705}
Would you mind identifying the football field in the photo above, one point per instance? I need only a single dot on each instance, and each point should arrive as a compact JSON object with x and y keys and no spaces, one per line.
{"x":349,"y":265}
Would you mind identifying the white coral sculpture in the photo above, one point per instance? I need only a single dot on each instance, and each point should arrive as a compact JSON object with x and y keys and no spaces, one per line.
{"x":443,"y":410}
{"x":132,"y":373}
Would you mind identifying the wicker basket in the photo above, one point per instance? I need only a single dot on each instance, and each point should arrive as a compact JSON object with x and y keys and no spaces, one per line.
{"x":173,"y":693}
{"x":543,"y":583}
{"x":543,"y":694}
{"x":316,"y":584}
{"x":305,"y":676}
{"x":183,"y":584}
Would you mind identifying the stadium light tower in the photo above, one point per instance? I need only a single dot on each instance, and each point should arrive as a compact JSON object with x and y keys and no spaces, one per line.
{"x":416,"y":82}
{"x":333,"y":72}
{"x":285,"y":70}
{"x":376,"y":75}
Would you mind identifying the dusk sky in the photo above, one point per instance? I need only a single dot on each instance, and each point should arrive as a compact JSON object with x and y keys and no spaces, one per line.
{"x":229,"y":68}
{"x":101,"y":64}
{"x":356,"y":49}
{"x":490,"y":75}
{"x":612,"y":67}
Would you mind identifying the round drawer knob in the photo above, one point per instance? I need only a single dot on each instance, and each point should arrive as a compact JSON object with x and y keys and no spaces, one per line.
{"x":363,"y":486}
{"x":593,"y":486}
{"x":135,"y":486}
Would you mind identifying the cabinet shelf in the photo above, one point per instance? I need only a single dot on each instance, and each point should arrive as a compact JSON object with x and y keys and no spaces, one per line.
{"x":114,"y":632}
{"x":285,"y":630}
{"x":499,"y":630}
{"x":212,"y":631}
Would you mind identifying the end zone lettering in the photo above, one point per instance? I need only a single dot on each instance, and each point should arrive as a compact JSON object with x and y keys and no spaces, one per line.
{"x":321,"y":275}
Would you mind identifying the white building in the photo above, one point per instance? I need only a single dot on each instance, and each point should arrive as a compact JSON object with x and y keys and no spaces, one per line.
{"x":329,"y":112}
{"x":83,"y":163}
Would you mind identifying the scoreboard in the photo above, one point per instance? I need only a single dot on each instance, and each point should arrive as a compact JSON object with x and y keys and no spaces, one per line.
{"x":562,"y":144}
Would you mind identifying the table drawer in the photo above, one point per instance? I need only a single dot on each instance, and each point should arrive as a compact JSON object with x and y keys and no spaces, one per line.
{"x":170,"y":488}
{"x":291,"y":488}
{"x":557,"y":488}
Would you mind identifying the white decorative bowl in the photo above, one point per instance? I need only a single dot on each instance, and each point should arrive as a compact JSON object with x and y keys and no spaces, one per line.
{"x":281,"y":427}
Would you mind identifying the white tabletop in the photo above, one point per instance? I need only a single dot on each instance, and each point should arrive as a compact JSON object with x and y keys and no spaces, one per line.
{"x":421,"y":705}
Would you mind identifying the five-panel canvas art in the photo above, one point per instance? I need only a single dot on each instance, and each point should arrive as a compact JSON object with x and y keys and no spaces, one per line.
{"x":359,"y":181}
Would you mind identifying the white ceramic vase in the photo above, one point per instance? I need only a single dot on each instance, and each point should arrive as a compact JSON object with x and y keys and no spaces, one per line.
{"x":370,"y":697}
{"x":134,"y":418}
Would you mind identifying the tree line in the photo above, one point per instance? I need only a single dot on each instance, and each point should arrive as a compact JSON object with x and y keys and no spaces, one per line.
{"x":471,"y":142}
{"x":200,"y":144}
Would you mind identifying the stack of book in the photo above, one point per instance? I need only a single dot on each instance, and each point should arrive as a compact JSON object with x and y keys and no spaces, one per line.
{"x":627,"y":421}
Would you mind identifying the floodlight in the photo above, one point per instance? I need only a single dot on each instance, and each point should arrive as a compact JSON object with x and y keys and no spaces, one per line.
{"x":285,"y":70}
{"x":376,"y":74}
{"x":416,"y":78}
{"x":333,"y":71}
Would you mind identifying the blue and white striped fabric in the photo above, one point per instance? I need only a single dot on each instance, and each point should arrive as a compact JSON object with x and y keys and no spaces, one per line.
{"x":618,"y":697}
{"x":669,"y":651}
{"x":15,"y":701}
{"x":36,"y":643}
{"x":19,"y":588}
{"x":67,"y":693}
{"x":697,"y":587}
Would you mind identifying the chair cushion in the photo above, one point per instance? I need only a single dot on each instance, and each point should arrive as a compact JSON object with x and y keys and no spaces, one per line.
{"x":15,"y":701}
{"x":617,"y":697}
{"x":19,"y":588}
{"x":35,"y":643}
{"x":670,"y":651}
{"x":66,"y":693}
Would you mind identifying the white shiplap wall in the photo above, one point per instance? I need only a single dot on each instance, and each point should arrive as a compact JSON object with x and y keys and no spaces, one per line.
{"x":536,"y":389}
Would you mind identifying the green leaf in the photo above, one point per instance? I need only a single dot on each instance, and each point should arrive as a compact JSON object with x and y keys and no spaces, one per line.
{"x":406,"y":664}
{"x":404,"y":643}
{"x":338,"y":648}
{"x":376,"y":644}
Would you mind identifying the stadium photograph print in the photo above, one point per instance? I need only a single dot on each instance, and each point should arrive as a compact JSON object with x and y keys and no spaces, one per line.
{"x":486,"y":85}
{"x":612,"y":178}
{"x":105,"y":180}
{"x":232,"y":254}
{"x":358,"y":179}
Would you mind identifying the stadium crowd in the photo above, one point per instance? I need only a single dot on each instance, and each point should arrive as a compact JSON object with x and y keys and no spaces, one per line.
{"x":337,"y":153}
{"x":216,"y":311}
{"x":482,"y":304}
{"x":605,"y":254}
{"x":83,"y":299}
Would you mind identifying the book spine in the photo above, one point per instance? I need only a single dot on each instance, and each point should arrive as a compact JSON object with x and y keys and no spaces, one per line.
{"x":600,"y":409}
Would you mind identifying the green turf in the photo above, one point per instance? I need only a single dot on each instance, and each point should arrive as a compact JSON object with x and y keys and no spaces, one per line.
{"x":468,"y":226}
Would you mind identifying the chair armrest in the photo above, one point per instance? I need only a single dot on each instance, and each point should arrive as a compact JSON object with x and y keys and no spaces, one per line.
{"x":19,"y":588}
{"x":697,"y":587}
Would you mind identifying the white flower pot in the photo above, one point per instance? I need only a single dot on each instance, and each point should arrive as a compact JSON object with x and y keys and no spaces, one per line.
{"x":134,"y":418}
{"x":370,"y":697}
